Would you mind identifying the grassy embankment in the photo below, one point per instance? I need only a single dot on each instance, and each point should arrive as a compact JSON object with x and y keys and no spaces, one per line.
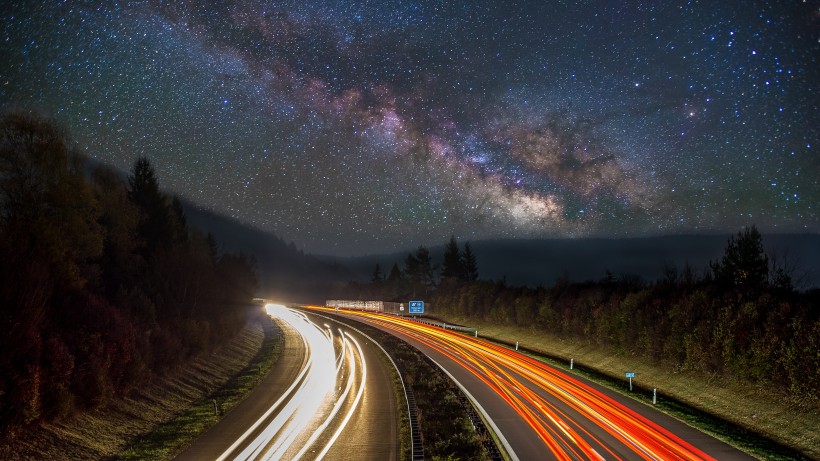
{"x":171,"y":437}
{"x":759,"y":409}
{"x":105,"y":432}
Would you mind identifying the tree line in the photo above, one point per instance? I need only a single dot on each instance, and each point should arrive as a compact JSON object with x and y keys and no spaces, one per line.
{"x":102,"y":283}
{"x":740,"y":318}
{"x":419,"y":276}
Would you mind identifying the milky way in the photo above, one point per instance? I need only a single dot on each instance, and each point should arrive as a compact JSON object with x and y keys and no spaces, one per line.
{"x":357,"y":127}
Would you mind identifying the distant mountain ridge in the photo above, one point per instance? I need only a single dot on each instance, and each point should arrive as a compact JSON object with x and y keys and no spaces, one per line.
{"x":290,"y":273}
{"x":542,"y":262}
{"x":285,"y":272}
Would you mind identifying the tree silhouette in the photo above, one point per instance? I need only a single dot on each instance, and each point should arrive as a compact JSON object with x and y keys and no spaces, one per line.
{"x":469,"y":263}
{"x":101,"y":285}
{"x":426,"y":269}
{"x":377,"y":274}
{"x":411,"y":270}
{"x":48,"y":210}
{"x":453,"y":266}
{"x":156,"y":226}
{"x":419,"y":270}
{"x":395,"y":274}
{"x":744,"y":263}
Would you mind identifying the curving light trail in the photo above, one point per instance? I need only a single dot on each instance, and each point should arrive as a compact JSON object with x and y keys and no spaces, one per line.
{"x":296,"y":422}
{"x":572,"y":419}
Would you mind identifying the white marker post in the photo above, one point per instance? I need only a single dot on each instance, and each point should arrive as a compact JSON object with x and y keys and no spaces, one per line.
{"x":654,"y":396}
{"x":570,"y":363}
{"x":516,"y":345}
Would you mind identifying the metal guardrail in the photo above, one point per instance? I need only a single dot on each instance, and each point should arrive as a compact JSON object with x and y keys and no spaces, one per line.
{"x":445,"y":325}
{"x":415,"y":429}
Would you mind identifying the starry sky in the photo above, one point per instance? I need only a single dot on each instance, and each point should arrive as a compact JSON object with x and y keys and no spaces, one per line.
{"x":373,"y":126}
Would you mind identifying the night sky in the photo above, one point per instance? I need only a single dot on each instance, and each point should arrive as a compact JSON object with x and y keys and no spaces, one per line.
{"x":360,"y":127}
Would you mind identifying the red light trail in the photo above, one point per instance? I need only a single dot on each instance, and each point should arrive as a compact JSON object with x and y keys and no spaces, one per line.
{"x":571,"y":418}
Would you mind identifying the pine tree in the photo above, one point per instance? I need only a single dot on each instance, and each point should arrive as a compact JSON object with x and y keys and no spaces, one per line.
{"x":156,"y":225}
{"x":453,"y":266}
{"x":426,"y":270}
{"x":377,"y":274}
{"x":411,"y":269}
{"x":469,"y":263}
{"x":744,"y":263}
{"x":179,"y":222}
{"x":395,"y":274}
{"x":419,"y":270}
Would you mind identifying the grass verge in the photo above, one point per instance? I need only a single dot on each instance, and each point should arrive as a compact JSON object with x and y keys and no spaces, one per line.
{"x":170,"y":438}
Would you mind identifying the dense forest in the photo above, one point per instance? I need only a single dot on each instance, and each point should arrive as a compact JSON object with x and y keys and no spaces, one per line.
{"x":102,"y":282}
{"x":740,"y":318}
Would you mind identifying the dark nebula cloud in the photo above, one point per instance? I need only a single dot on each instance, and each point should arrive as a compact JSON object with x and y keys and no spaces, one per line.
{"x":355,"y":127}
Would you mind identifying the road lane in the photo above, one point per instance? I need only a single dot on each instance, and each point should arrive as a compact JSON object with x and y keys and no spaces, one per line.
{"x":313,"y":404}
{"x":545,"y":413}
{"x":372,"y":431}
{"x":218,"y":438}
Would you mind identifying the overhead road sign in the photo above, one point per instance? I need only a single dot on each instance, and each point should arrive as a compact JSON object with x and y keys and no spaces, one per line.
{"x":416,"y":307}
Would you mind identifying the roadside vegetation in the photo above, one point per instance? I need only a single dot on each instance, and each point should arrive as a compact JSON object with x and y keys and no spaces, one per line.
{"x":103,"y":286}
{"x":104,"y":432}
{"x":748,"y":417}
{"x":170,"y":438}
{"x":735,"y":340}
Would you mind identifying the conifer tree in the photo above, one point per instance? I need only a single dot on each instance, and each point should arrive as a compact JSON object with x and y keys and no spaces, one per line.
{"x":453,"y":266}
{"x":377,"y":274}
{"x":744,"y":263}
{"x":469,"y":263}
{"x":155,"y":227}
{"x":395,"y":274}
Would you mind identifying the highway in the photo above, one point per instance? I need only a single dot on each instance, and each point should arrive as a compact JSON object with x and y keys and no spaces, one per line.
{"x":543,"y":413}
{"x":315,"y":406}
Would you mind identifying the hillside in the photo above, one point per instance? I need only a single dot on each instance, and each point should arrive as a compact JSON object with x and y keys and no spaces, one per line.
{"x":284,"y":272}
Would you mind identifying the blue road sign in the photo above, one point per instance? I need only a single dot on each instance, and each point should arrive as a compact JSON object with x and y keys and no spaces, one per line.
{"x":416,"y":307}
{"x":630,"y":375}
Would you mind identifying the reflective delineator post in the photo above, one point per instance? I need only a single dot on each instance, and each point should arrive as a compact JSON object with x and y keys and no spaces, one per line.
{"x":654,"y":396}
{"x":516,"y":345}
{"x":570,"y":363}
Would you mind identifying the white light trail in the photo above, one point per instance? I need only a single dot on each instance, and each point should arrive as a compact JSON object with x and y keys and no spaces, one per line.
{"x":338,"y":406}
{"x":310,"y":404}
{"x":353,"y":408}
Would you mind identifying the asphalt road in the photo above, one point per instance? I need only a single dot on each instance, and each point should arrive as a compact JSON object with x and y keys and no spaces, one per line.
{"x":328,"y":397}
{"x":372,"y":432}
{"x":218,"y":438}
{"x":542,"y":413}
